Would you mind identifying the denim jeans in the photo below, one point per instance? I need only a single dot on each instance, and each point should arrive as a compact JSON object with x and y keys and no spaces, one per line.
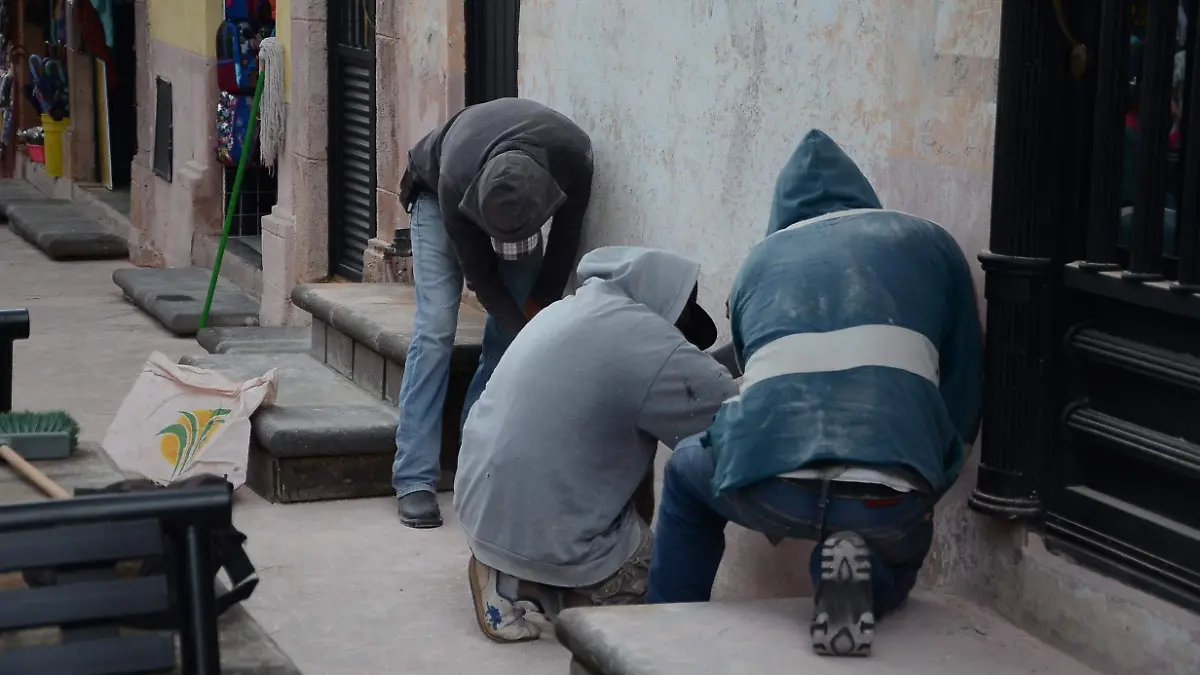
{"x":439,"y":284}
{"x":690,"y":533}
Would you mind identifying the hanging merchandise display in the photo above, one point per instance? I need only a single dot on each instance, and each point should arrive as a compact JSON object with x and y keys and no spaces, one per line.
{"x":233,"y":118}
{"x":247,"y":23}
{"x":237,"y":62}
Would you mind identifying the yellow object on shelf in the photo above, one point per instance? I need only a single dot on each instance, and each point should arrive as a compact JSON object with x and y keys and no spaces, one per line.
{"x":53,"y":131}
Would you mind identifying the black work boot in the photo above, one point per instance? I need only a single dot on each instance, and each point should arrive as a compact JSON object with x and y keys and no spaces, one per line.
{"x":843,"y":622}
{"x":420,"y":510}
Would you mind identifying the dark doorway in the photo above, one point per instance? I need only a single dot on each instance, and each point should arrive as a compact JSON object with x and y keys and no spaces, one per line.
{"x":351,"y":135}
{"x":491,"y":70}
{"x":122,"y":98}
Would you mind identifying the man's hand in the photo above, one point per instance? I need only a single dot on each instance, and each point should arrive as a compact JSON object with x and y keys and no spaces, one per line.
{"x":532,"y":309}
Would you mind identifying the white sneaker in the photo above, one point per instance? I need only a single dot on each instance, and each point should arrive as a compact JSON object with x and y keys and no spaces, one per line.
{"x":500,"y":619}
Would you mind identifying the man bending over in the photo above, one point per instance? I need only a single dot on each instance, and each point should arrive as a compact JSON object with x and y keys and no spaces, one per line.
{"x":566,"y":430}
{"x":860,"y":340}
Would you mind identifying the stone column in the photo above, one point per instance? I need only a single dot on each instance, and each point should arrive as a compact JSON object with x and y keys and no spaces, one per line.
{"x":296,"y":233}
{"x":421,"y":61}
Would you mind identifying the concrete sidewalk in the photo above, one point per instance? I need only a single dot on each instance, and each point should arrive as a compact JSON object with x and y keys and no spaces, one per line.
{"x":346,"y":590}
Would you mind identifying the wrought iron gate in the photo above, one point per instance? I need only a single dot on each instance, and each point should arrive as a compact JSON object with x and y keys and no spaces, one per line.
{"x":351,"y":134}
{"x":491,"y":70}
{"x":1092,"y":411}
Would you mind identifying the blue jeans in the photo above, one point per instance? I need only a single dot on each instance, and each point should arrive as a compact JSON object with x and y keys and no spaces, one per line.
{"x":439,"y":284}
{"x":690,"y":533}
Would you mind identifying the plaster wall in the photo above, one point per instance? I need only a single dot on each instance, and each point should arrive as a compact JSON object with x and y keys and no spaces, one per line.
{"x":187,"y":24}
{"x":694,"y":107}
{"x":168,"y":215}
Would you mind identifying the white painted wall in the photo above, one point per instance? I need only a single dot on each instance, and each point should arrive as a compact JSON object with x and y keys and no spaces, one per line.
{"x":694,"y":105}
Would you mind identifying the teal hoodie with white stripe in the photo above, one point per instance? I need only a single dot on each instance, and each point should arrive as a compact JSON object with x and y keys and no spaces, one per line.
{"x":859,"y":334}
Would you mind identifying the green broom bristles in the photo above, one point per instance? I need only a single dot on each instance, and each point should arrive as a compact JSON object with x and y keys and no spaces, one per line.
{"x":27,"y":422}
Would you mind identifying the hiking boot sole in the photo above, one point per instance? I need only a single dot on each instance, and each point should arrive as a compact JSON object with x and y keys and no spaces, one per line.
{"x":843,"y":618}
{"x":481,"y":608}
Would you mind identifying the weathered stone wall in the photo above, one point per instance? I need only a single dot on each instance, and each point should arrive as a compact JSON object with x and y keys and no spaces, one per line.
{"x":420,"y":52}
{"x":693,"y":107}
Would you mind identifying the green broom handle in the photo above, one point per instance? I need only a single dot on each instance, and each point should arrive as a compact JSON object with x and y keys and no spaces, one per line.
{"x":243,"y":161}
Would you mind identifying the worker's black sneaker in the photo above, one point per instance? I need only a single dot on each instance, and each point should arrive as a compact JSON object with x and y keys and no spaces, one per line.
{"x":843,"y":622}
{"x":420,"y":510}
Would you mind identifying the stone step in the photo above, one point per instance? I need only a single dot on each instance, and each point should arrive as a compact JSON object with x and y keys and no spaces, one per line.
{"x":363,"y":330}
{"x":255,"y":339}
{"x":175,"y":297}
{"x":323,"y":438}
{"x":64,"y":230}
{"x":934,"y":634}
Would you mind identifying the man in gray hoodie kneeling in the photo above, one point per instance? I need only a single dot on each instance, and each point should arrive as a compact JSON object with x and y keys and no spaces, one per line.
{"x":567,"y":428}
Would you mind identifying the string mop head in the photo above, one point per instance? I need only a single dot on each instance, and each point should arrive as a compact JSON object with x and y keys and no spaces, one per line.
{"x":271,"y":111}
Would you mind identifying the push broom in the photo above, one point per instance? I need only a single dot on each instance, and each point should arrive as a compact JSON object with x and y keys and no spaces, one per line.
{"x":29,"y":435}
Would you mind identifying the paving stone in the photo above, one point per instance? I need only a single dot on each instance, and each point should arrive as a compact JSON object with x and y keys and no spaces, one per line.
{"x":380,"y":316}
{"x":16,"y":191}
{"x":934,"y":634}
{"x":175,"y":297}
{"x":64,"y":230}
{"x":254,"y":339}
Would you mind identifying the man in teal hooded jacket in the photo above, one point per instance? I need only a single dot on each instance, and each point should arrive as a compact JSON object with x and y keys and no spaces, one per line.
{"x":859,"y":336}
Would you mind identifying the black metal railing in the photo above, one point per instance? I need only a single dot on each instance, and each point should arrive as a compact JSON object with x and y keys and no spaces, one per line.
{"x":1142,"y":207}
{"x":354,"y":24}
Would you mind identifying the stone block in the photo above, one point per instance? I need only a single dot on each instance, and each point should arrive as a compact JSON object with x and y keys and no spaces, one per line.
{"x":339,"y":351}
{"x":64,"y":230}
{"x":369,"y":370}
{"x":254,"y":339}
{"x":317,"y":344}
{"x":390,"y":217}
{"x":310,"y":209}
{"x":391,"y":157}
{"x":393,"y":378}
{"x":308,"y":122}
{"x":933,"y":634}
{"x":175,"y":297}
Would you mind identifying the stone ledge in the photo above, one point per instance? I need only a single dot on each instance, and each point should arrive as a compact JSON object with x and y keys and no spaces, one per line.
{"x":254,"y":339}
{"x":934,"y":634}
{"x":380,"y":316}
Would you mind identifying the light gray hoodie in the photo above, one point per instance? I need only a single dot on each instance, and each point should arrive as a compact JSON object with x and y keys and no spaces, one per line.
{"x":569,"y":423}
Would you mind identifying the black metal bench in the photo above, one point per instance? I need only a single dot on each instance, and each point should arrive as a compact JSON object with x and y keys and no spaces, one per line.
{"x":82,"y":540}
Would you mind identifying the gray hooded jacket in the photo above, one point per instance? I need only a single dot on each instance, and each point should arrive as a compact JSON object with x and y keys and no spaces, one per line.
{"x":569,"y":423}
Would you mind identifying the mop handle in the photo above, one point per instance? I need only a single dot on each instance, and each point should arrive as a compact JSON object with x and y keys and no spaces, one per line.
{"x":243,"y":161}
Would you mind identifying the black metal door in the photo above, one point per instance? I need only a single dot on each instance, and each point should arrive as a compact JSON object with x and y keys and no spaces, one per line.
{"x":1124,"y":491}
{"x":351,"y":134}
{"x":1092,"y":421}
{"x":491,"y":70}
